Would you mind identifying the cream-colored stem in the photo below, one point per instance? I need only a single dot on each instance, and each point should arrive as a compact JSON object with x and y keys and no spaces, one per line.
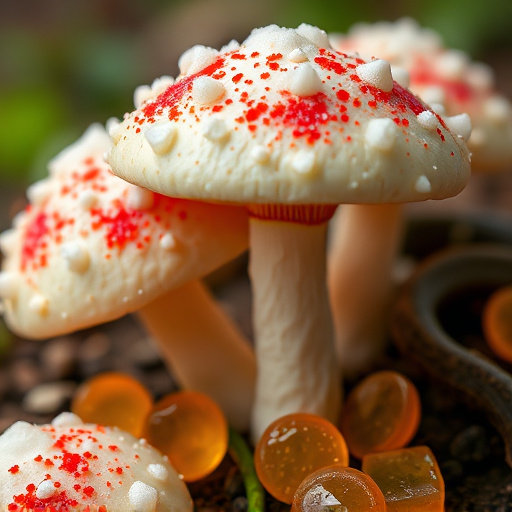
{"x":295,"y":356}
{"x":363,"y":247}
{"x":204,"y":349}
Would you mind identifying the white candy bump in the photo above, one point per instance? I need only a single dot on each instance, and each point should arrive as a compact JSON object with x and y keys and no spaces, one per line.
{"x":161,"y":137}
{"x":304,"y":81}
{"x":497,"y":109}
{"x":67,"y":419}
{"x":76,"y":256}
{"x":87,"y":199}
{"x":39,"y":192}
{"x":381,"y":134}
{"x":215,"y":129}
{"x":316,"y":35}
{"x":161,"y":84}
{"x":401,"y":76}
{"x":423,"y":185}
{"x":140,"y":198}
{"x":428,"y":120}
{"x":8,"y":241}
{"x":196,"y":58}
{"x":45,"y":490}
{"x":304,"y":162}
{"x":9,"y":285}
{"x":260,"y":154}
{"x":206,"y":90}
{"x":376,"y":73}
{"x":142,"y":94}
{"x":168,"y":242}
{"x":460,"y":125}
{"x":158,"y":471}
{"x":142,"y":497}
{"x":38,"y":304}
{"x":297,"y":56}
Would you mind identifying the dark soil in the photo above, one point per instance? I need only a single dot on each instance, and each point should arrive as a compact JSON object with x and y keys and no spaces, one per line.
{"x":37,"y":380}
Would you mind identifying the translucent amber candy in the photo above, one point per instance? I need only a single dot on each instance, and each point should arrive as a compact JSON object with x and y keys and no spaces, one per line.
{"x":338,"y":489}
{"x":293,"y":447}
{"x":381,"y":413}
{"x":191,"y":430}
{"x":409,"y":479}
{"x":497,"y":322}
{"x":113,"y":399}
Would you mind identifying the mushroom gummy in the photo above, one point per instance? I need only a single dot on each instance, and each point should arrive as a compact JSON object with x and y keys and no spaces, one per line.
{"x":70,"y":465}
{"x":191,"y":430}
{"x":294,"y":446}
{"x":289,"y":128}
{"x":338,"y":488}
{"x":381,"y":413}
{"x":497,"y":322}
{"x":113,"y":399}
{"x":409,"y":479}
{"x":91,"y":248}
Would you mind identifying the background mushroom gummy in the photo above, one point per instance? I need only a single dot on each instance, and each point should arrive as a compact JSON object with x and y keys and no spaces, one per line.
{"x":69,"y":465}
{"x":291,"y":128}
{"x":91,"y":247}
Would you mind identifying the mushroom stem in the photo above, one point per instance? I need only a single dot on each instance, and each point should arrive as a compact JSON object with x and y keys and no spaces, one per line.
{"x":204,"y":349}
{"x":363,"y":247}
{"x":295,"y":356}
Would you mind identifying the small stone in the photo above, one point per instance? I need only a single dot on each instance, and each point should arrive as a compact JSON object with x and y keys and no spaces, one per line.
{"x":24,"y":374}
{"x":471,"y":444}
{"x":49,"y":397}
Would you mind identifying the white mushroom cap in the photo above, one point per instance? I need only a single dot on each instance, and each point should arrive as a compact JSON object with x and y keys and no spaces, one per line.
{"x":281,"y":119}
{"x":442,"y":76}
{"x":92,"y":247}
{"x":69,"y":465}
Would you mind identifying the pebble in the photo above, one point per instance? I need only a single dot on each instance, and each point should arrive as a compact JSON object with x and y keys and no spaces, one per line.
{"x":471,"y":444}
{"x":49,"y":397}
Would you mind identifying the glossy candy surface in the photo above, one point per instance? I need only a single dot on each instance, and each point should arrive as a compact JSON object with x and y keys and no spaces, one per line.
{"x":409,"y":479}
{"x":338,"y":488}
{"x":191,"y":430}
{"x":497,"y":322}
{"x":381,"y":413}
{"x":113,"y":399}
{"x":293,"y":447}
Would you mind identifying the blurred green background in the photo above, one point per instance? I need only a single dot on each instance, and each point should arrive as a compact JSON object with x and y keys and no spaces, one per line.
{"x":65,"y":64}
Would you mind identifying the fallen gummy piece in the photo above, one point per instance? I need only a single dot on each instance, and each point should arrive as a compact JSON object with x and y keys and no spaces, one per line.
{"x":381,"y":413}
{"x":409,"y":479}
{"x":338,"y":488}
{"x":191,"y":429}
{"x":294,"y":446}
{"x":497,"y":322}
{"x":113,"y":399}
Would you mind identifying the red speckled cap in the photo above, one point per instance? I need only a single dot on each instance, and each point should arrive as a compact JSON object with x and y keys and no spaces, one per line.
{"x":284,"y":118}
{"x":91,"y":247}
{"x":69,"y":466}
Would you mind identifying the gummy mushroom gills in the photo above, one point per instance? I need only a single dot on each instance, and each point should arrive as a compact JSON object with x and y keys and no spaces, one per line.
{"x":290,"y":128}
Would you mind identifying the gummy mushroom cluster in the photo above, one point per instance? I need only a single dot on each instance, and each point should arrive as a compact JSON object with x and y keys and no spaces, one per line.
{"x":252,"y":146}
{"x":290,"y":128}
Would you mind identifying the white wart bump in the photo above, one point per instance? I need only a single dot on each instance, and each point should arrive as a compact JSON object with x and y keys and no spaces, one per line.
{"x":161,"y":137}
{"x":140,"y":198}
{"x":460,"y":125}
{"x":376,"y":73}
{"x":423,"y":185}
{"x":215,"y":129}
{"x":428,"y":120}
{"x":206,"y":90}
{"x":381,"y":134}
{"x":142,"y":497}
{"x":304,"y":81}
{"x":304,"y":162}
{"x":76,"y":256}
